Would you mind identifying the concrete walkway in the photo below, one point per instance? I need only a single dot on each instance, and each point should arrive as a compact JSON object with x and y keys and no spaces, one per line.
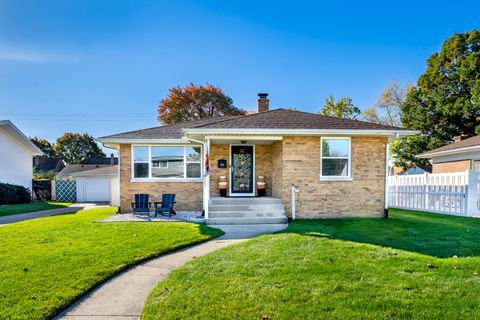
{"x":38,"y":214}
{"x":123,"y":296}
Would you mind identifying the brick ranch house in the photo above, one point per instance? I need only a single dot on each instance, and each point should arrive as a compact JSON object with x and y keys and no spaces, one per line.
{"x":338,"y":165}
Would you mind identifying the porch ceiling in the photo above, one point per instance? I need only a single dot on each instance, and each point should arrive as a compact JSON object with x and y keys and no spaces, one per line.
{"x":224,"y":141}
{"x":235,"y":139}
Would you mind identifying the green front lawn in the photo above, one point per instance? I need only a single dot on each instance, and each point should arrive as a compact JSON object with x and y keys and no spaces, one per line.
{"x":9,"y":209}
{"x":411,"y":266}
{"x":47,"y":263}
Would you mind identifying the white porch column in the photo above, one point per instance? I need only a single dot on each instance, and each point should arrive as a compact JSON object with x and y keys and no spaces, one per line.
{"x":206,"y":177}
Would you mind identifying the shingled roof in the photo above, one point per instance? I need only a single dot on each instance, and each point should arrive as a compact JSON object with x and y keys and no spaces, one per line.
{"x":171,"y":131}
{"x":273,"y":119}
{"x":292,"y":119}
{"x":459,"y":146}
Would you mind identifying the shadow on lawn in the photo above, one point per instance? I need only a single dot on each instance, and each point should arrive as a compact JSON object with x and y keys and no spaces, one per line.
{"x":427,"y":233}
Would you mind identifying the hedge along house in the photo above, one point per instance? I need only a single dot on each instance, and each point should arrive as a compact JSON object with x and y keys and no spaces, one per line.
{"x":338,"y":165}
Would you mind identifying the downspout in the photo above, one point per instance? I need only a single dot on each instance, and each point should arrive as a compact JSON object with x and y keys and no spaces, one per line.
{"x":387,"y":158}
{"x":206,"y":178}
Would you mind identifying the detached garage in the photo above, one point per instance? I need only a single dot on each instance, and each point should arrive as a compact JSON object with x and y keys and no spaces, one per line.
{"x":94,"y":183}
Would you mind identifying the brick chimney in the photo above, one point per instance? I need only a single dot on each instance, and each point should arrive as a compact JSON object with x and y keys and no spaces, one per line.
{"x":263,"y":104}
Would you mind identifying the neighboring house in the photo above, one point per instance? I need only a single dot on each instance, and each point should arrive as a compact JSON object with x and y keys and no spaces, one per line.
{"x":462,"y":155}
{"x":46,"y":164}
{"x":16,"y":153}
{"x":339,"y":165}
{"x":94,"y":183}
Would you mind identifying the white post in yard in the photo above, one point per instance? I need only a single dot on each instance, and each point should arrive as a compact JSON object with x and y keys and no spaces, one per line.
{"x":294,"y":209}
{"x":387,"y":179}
{"x":472,"y":193}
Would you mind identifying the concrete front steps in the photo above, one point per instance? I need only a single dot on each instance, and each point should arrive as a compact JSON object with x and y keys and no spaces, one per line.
{"x":246,"y":210}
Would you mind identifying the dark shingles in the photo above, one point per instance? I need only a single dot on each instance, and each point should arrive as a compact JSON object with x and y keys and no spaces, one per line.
{"x":470,"y":142}
{"x":292,"y":119}
{"x":273,"y":119}
{"x":171,"y":131}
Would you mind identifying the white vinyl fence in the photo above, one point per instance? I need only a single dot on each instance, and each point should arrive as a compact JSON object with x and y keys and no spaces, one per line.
{"x":449,"y":193}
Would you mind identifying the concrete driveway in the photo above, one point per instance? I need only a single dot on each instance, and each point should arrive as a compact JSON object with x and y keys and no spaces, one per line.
{"x":45,"y":213}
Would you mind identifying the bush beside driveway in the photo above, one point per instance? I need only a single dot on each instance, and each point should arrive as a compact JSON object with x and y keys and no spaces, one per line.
{"x":47,"y":263}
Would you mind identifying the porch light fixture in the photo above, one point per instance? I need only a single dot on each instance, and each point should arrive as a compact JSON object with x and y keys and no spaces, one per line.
{"x":243,"y":141}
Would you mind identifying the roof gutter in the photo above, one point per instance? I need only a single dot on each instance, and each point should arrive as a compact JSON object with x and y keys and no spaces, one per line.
{"x":35,"y":150}
{"x":428,"y":155}
{"x":349,"y":132}
{"x":140,"y":141}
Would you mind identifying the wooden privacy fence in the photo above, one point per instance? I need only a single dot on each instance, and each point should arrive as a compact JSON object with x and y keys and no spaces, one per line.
{"x":450,"y":193}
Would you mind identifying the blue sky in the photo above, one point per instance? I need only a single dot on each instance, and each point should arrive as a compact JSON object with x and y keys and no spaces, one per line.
{"x":102,"y":66}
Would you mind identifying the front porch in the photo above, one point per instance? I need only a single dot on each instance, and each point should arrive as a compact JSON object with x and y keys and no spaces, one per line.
{"x":244,"y":167}
{"x":241,"y":162}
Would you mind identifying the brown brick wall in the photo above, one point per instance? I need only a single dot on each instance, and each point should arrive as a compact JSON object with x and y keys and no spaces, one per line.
{"x":263,"y":165}
{"x":295,"y":160}
{"x":188,"y":194}
{"x":217,"y":152}
{"x":364,"y":196}
{"x":453,"y":166}
{"x":277,"y":165}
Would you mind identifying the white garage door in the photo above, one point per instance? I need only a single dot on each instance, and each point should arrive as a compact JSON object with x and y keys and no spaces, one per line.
{"x":97,"y":189}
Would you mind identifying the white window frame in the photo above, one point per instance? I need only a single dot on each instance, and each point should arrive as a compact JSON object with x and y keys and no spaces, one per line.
{"x":348,"y":177}
{"x":150,"y":166}
{"x":186,"y":162}
{"x":138,"y":161}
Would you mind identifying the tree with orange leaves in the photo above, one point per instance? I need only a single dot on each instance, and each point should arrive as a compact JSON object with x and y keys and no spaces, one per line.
{"x":195,"y":102}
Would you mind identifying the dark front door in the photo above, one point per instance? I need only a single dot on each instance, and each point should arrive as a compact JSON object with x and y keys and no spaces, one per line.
{"x":242,"y":170}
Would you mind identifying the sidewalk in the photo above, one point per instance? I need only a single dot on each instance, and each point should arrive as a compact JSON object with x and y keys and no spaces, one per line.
{"x":123,"y":296}
{"x":38,"y":214}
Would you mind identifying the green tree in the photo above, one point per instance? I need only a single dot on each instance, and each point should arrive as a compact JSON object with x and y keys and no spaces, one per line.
{"x":195,"y":102}
{"x":404,"y":151}
{"x":342,"y":108}
{"x":446,"y":100}
{"x":74,"y":147}
{"x":44,"y":145}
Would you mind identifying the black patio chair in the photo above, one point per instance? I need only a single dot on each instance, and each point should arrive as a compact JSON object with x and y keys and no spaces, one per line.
{"x":141,"y":204}
{"x":166,"y":205}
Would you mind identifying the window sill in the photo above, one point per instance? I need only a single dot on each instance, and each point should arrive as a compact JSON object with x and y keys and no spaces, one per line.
{"x":336,"y":179}
{"x":166,"y":180}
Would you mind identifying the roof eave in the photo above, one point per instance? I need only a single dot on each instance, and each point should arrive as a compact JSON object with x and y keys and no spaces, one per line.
{"x":35,"y":150}
{"x":140,"y":141}
{"x":79,"y":174}
{"x":428,"y":155}
{"x":255,"y":131}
